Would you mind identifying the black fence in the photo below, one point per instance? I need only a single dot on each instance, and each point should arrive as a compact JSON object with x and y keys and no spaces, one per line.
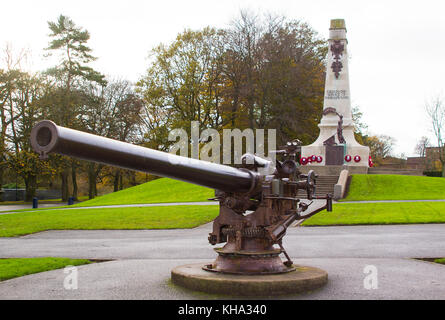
{"x":19,"y":194}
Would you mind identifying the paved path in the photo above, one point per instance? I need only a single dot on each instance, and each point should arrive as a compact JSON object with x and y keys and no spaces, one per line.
{"x":7,"y":209}
{"x":165,"y":204}
{"x":143,"y":260}
{"x":11,"y":207}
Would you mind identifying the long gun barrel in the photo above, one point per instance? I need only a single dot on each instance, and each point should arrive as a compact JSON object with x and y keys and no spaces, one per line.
{"x":47,"y":137}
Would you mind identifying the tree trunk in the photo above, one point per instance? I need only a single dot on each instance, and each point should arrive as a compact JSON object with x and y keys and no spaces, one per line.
{"x":116,"y":177}
{"x":1,"y":182}
{"x":74,"y":180}
{"x":64,"y":187}
{"x":133,"y":178}
{"x":31,"y":187}
{"x":96,"y":174}
{"x":234,"y":108}
{"x":91,"y":181}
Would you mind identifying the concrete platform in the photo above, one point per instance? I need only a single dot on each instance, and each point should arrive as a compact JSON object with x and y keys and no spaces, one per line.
{"x":303,"y":279}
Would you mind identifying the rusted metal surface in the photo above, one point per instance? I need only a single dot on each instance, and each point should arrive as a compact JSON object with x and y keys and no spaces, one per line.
{"x":255,"y":209}
{"x":47,"y":137}
{"x":244,"y":262}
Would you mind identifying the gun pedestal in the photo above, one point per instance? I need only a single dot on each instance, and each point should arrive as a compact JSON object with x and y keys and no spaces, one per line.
{"x":302,"y":279}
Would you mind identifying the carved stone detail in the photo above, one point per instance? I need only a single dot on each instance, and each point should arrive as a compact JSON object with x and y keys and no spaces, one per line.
{"x":330,"y":141}
{"x":329,"y":110}
{"x":337,"y":49}
{"x":341,"y":138}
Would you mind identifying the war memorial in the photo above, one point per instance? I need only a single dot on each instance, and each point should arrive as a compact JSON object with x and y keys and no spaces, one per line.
{"x":336,"y":145}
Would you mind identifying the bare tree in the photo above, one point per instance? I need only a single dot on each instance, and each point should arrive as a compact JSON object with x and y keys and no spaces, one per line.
{"x":435,"y":108}
{"x":381,"y":146}
{"x":111,"y":111}
{"x":11,"y":71}
{"x":421,"y":146}
{"x":274,"y":69}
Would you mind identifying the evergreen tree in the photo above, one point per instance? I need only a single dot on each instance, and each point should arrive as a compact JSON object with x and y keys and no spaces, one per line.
{"x":70,"y":42}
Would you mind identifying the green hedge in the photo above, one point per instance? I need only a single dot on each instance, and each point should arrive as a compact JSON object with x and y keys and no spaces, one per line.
{"x":432,"y":173}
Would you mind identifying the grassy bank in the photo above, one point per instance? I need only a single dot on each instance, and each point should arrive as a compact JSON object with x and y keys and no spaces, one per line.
{"x":395,"y":187}
{"x":380,"y":213}
{"x":162,"y":190}
{"x":172,"y":217}
{"x":22,"y":223}
{"x":18,"y":267}
{"x":156,"y":191}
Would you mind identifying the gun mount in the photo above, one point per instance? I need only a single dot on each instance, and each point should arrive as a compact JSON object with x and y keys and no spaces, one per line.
{"x":255,"y":209}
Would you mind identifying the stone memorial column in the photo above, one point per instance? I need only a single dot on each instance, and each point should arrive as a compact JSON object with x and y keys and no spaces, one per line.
{"x":336,"y":140}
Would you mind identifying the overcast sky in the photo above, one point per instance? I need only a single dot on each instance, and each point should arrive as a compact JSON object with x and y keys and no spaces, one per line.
{"x":397,"y":48}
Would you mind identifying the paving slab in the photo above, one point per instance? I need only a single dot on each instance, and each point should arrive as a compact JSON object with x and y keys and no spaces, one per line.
{"x":388,"y":241}
{"x":150,"y":279}
{"x":143,"y":260}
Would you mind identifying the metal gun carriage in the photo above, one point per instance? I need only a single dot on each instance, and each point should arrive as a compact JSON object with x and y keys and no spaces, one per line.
{"x":255,"y":209}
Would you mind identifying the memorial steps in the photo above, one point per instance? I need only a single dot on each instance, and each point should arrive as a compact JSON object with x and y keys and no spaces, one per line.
{"x":325,"y":184}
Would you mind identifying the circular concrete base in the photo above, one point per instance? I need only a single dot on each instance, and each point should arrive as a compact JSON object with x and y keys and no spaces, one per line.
{"x":303,"y":279}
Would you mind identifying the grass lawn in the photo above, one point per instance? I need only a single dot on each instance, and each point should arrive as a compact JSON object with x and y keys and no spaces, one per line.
{"x":395,"y":187}
{"x":16,"y":224}
{"x":442,"y":261}
{"x":380,"y":213}
{"x":170,"y":217}
{"x":17,"y":267}
{"x":156,"y":191}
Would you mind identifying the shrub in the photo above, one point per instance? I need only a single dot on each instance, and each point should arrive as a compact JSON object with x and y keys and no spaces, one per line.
{"x":432,"y":173}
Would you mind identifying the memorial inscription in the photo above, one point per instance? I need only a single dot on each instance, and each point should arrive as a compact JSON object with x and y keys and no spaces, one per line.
{"x":336,"y":94}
